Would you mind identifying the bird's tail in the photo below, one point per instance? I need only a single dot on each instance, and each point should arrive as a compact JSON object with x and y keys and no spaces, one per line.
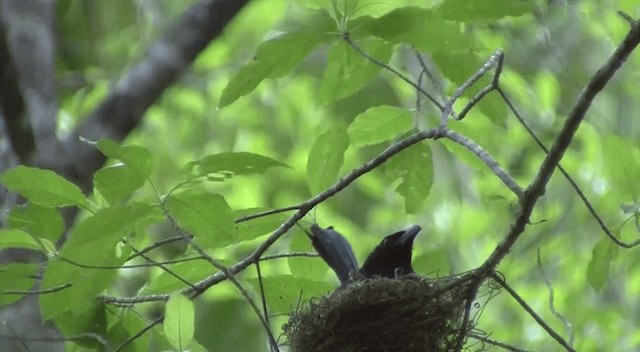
{"x":335,"y":250}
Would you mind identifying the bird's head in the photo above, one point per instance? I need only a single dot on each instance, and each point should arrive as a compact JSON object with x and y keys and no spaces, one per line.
{"x":392,"y":255}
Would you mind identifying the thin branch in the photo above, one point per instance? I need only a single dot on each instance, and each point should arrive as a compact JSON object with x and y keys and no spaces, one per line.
{"x":267,"y":213}
{"x":265,"y":311}
{"x":493,"y":342}
{"x":552,"y":308}
{"x":304,"y":208}
{"x":230,"y":276}
{"x":289,"y":255}
{"x":537,"y":187}
{"x":37,"y":292}
{"x":475,"y":100}
{"x":487,"y":159}
{"x":495,"y":59}
{"x":172,"y":239}
{"x":141,"y":332}
{"x":166,"y":269}
{"x":435,"y":102}
{"x":564,"y":172}
{"x":532,"y":313}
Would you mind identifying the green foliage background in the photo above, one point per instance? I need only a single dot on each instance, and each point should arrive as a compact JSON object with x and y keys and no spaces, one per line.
{"x":282,"y":84}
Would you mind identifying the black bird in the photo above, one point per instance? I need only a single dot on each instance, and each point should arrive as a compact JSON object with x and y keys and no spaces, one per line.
{"x":335,"y":250}
{"x":392,"y":257}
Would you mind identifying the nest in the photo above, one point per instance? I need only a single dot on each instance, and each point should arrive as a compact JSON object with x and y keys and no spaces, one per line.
{"x":407,"y":314}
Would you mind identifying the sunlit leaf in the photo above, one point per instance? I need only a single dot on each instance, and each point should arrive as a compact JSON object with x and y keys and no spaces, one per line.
{"x":325,"y":159}
{"x":207,"y":216}
{"x":623,"y":166}
{"x":548,"y":90}
{"x":485,"y":10}
{"x":43,"y":187}
{"x":116,"y":182}
{"x":179,"y":321}
{"x":233,"y":163}
{"x":379,"y":124}
{"x":348,"y":71}
{"x":275,"y":58}
{"x":421,"y":28}
{"x":414,"y":168}
{"x":136,"y":157}
{"x":599,"y":268}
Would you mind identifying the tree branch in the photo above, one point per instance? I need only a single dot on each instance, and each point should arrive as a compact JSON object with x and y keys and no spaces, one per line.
{"x":537,"y":187}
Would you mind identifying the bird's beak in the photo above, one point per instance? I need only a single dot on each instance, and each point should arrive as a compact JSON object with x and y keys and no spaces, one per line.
{"x":410,"y":234}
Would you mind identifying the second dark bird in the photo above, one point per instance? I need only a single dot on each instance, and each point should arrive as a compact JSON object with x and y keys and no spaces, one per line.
{"x":392,"y":257}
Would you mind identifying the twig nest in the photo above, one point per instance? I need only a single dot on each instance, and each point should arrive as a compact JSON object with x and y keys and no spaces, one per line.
{"x":379,"y":315}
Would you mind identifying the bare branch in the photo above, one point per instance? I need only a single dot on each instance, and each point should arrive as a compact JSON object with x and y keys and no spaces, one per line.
{"x":435,"y":102}
{"x":496,"y":58}
{"x":552,"y":308}
{"x":537,"y":187}
{"x":493,"y":342}
{"x":37,"y":292}
{"x":564,"y":172}
{"x":531,"y":312}
{"x":487,"y":159}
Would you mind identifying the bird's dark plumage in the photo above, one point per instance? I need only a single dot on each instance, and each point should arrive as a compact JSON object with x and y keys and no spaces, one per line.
{"x":392,"y":256}
{"x":335,"y":250}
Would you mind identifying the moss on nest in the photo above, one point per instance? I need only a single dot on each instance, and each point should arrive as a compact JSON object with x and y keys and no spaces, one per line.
{"x":379,"y":315}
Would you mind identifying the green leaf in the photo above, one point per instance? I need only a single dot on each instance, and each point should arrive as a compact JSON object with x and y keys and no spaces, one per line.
{"x":599,"y":268}
{"x":137,"y":158}
{"x":190,"y":271}
{"x":133,"y":323}
{"x":43,"y":187}
{"x":207,"y":216}
{"x":622,"y":163}
{"x":15,"y":238}
{"x":116,"y":183}
{"x":179,"y":321}
{"x":254,"y":228}
{"x":93,"y":242}
{"x":485,"y":10}
{"x":16,"y":277}
{"x":275,"y":58}
{"x":548,"y":90}
{"x":325,"y":159}
{"x":420,"y":28}
{"x":347,"y":71}
{"x":284,"y":292}
{"x":223,"y":165}
{"x":349,"y":8}
{"x":91,"y":318}
{"x":43,"y":222}
{"x":414,"y":168}
{"x":379,"y":124}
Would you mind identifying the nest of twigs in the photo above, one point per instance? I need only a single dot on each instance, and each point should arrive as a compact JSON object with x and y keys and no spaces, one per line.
{"x":407,"y":314}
